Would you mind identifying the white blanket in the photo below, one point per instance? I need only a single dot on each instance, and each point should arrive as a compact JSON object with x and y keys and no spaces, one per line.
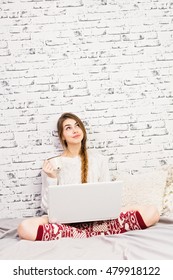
{"x":154,"y":243}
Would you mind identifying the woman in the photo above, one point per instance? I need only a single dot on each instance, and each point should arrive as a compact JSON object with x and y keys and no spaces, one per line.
{"x":75,"y":165}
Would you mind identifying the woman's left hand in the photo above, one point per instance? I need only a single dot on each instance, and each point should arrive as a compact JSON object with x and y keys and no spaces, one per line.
{"x":49,"y":170}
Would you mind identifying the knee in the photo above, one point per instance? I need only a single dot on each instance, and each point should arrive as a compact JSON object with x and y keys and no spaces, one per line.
{"x":24,"y":231}
{"x":28,"y":228}
{"x":150,"y":215}
{"x":155,"y":214}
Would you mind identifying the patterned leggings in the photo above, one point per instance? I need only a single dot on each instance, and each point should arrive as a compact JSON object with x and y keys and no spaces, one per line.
{"x":130,"y":220}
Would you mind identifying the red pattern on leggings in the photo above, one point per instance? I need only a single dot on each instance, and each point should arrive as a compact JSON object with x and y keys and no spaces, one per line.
{"x":130,"y":220}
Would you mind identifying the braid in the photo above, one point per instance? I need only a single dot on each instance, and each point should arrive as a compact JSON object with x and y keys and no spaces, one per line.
{"x":84,"y":165}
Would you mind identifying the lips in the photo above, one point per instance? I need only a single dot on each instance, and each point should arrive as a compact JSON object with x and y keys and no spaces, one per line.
{"x":76,"y":136}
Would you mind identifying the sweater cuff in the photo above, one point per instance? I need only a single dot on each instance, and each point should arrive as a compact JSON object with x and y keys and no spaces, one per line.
{"x":51,"y":181}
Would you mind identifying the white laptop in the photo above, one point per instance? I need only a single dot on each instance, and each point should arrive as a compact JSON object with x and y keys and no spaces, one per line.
{"x":84,"y":202}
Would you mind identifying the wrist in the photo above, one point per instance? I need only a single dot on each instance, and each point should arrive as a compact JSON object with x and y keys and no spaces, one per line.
{"x":52,"y":176}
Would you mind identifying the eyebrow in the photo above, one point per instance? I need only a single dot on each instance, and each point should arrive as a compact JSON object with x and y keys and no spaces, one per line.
{"x":70,"y":124}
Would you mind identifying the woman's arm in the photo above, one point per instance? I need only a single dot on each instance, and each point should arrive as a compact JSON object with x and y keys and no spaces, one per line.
{"x":49,"y":177}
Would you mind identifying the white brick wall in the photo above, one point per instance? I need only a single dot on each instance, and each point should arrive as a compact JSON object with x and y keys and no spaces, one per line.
{"x":109,"y":61}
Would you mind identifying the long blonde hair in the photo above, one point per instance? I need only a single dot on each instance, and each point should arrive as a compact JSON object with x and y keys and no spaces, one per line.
{"x":83,"y":152}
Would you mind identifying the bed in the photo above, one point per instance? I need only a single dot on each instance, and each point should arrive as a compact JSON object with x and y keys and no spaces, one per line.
{"x":154,"y":243}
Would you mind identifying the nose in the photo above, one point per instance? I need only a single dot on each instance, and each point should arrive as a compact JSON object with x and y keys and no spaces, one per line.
{"x":75,"y":129}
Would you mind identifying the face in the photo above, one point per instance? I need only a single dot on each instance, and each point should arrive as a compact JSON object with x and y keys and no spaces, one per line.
{"x":72,"y":133}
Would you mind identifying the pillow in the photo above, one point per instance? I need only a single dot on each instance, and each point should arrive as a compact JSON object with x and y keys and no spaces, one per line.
{"x":168,"y":194}
{"x":144,"y":189}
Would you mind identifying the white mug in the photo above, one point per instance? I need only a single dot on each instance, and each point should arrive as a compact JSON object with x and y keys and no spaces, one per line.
{"x":56,"y":162}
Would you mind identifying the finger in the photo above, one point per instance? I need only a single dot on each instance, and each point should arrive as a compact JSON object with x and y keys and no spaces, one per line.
{"x":46,"y":166}
{"x":45,"y":163}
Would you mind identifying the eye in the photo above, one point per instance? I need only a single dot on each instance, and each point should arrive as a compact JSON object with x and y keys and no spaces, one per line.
{"x":68,"y":128}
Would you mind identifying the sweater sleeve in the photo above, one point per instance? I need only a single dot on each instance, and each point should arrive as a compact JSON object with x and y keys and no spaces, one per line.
{"x":104,"y":170}
{"x":46,"y":181}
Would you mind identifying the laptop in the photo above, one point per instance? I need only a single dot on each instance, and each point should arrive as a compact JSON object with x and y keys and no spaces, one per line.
{"x":84,"y":202}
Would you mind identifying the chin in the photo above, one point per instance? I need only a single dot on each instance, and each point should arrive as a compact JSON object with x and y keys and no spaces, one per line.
{"x":77,"y":140}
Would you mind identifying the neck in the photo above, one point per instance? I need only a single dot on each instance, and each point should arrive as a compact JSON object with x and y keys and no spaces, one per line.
{"x":72,"y":151}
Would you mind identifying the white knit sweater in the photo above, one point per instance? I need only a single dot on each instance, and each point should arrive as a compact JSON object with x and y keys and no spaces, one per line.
{"x":70,"y":173}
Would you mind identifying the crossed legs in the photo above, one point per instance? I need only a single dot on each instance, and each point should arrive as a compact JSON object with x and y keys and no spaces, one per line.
{"x":28,"y":229}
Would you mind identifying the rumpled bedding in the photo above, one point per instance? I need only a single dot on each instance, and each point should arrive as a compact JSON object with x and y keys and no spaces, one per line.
{"x":154,"y":243}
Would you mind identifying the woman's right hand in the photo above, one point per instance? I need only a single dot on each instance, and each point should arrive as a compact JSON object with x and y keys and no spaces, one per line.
{"x":49,"y":170}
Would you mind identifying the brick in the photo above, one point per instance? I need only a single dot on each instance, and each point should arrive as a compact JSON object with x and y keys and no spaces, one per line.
{"x":8,"y":144}
{"x":108,"y":62}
